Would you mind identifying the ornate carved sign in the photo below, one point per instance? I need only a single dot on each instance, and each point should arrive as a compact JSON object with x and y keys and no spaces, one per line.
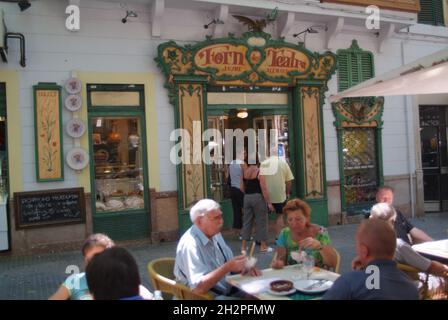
{"x":253,"y":59}
{"x":365,"y":111}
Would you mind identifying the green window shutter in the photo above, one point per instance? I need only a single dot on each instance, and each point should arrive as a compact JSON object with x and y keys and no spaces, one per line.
{"x":366,"y":66}
{"x":438,"y":7}
{"x":431,"y":12}
{"x":354,"y":66}
{"x":354,"y":69}
{"x":343,"y":71}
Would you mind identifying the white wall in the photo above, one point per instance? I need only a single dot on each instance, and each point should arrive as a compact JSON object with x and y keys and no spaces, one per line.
{"x":103,"y":44}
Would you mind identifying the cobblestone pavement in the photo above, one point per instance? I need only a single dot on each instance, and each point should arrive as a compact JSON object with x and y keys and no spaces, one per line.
{"x":38,"y":276}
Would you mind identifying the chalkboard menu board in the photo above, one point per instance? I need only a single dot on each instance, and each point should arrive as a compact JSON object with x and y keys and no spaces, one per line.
{"x":49,"y":207}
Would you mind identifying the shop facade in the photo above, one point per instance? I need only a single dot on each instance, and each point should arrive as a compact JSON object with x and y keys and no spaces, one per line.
{"x":125,"y":87}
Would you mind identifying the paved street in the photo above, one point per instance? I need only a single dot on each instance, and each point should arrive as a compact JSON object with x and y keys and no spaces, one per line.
{"x":38,"y":276}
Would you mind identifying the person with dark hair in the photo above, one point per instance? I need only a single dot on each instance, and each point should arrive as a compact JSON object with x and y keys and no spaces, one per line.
{"x":255,"y":208}
{"x":235,"y":176}
{"x":75,"y":286}
{"x":404,"y":229}
{"x":113,"y":275}
{"x":375,"y":248}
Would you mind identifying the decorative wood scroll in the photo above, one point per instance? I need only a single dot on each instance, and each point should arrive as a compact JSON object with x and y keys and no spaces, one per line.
{"x":365,"y":111}
{"x":252,"y":59}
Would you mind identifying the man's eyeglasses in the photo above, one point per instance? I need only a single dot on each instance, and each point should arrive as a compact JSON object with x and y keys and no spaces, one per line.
{"x":214,"y":218}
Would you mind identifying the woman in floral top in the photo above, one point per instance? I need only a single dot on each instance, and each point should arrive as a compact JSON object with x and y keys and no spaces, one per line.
{"x":300,"y":235}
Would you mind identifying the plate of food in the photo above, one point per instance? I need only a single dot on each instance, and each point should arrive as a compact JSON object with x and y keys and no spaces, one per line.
{"x":281,"y":287}
{"x":313,"y":285}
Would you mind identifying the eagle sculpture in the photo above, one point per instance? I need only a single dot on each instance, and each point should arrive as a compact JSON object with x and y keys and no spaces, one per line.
{"x":257,"y":25}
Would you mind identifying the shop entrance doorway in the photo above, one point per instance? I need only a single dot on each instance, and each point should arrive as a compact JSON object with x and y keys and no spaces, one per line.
{"x":434,"y":141}
{"x":231,"y":114}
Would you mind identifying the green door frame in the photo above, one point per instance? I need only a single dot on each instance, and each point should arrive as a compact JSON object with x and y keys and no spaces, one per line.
{"x":345,"y":118}
{"x":263,"y":110}
{"x":252,"y":54}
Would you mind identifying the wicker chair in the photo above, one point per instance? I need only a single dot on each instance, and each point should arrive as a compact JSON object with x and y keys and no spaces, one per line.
{"x":413,"y":273}
{"x":337,"y":267}
{"x":162,"y":278}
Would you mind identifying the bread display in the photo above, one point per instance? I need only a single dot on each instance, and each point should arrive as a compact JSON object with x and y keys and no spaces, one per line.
{"x":100,"y":206}
{"x":134,"y":202}
{"x":114,"y":204}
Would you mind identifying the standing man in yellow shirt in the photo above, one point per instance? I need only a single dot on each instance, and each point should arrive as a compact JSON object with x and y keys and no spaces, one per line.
{"x":276,"y":177}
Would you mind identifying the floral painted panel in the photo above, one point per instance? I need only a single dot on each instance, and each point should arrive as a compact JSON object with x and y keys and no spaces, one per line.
{"x":193,"y":170}
{"x":47,"y":112}
{"x":312,"y":143}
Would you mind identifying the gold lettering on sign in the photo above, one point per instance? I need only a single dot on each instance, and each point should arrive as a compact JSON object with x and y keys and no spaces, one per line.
{"x":281,"y":61}
{"x":226,"y":58}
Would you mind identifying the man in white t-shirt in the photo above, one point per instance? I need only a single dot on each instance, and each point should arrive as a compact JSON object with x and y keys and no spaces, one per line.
{"x":276,"y":176}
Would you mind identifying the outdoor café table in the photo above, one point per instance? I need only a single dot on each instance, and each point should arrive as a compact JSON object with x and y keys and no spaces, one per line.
{"x":435,"y":250}
{"x":258,"y":286}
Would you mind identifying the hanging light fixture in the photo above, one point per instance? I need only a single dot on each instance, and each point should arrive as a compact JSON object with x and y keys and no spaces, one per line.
{"x":242,"y":114}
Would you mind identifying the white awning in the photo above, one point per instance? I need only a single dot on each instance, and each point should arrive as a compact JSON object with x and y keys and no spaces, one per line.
{"x":427,"y":75}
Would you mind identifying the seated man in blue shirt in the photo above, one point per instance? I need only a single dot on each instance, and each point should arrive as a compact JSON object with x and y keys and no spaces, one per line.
{"x":203,"y":259}
{"x":381,"y":279}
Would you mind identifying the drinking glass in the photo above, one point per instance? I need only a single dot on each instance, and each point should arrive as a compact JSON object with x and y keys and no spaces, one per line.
{"x":299,"y":257}
{"x":308,"y":264}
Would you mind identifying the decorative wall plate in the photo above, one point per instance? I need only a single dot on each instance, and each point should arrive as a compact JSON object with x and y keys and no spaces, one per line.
{"x":73,"y":86}
{"x":75,"y":128}
{"x":77,"y":158}
{"x":73,"y":102}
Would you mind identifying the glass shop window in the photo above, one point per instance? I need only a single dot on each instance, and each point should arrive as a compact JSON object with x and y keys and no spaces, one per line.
{"x":117,"y":161}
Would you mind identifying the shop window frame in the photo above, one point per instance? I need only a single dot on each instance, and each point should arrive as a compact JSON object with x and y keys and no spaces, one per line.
{"x":118,"y":112}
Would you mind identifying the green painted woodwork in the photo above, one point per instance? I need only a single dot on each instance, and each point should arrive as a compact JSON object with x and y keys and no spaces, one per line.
{"x":178,"y":65}
{"x":316,"y":200}
{"x":126,"y":224}
{"x":319,"y":211}
{"x":354,"y":66}
{"x":175,"y":61}
{"x":123,"y":226}
{"x":431,"y":12}
{"x":363,"y":112}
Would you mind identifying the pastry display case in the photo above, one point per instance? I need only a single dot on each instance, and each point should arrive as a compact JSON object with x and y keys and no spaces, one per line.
{"x":117,"y":158}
